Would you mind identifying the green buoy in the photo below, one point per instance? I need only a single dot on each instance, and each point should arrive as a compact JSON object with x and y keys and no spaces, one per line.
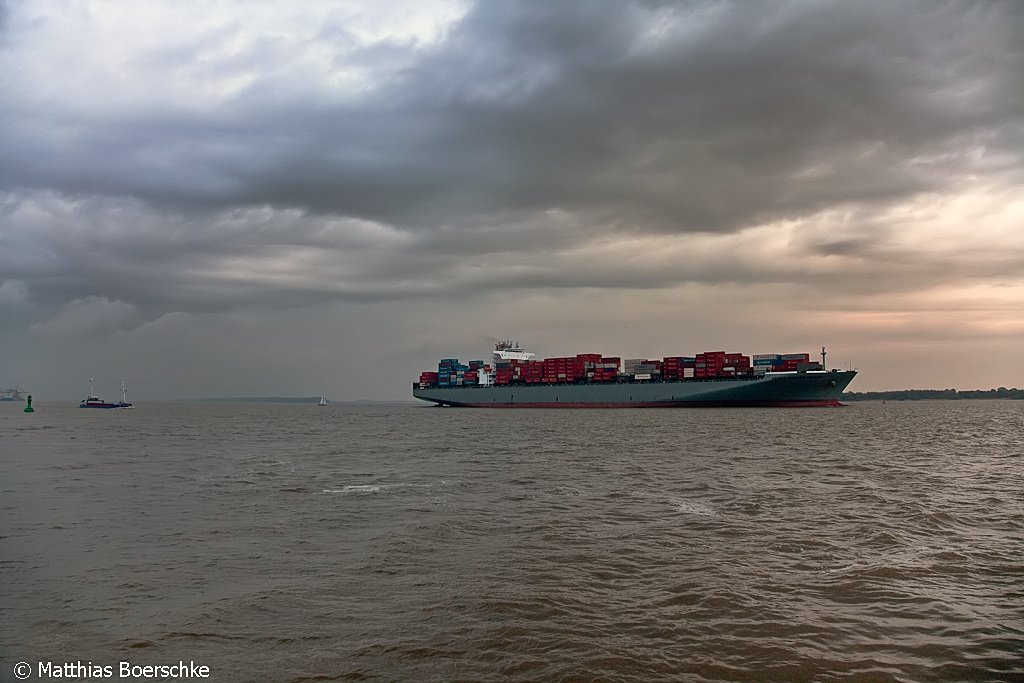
{"x":28,"y":406}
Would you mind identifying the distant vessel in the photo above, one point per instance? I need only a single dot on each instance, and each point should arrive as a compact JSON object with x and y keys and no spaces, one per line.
{"x":323,"y":400}
{"x":710,"y":379}
{"x":12,"y":394}
{"x":94,"y":401}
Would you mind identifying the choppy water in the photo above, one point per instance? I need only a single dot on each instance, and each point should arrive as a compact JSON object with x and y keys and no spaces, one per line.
{"x":876,"y":542}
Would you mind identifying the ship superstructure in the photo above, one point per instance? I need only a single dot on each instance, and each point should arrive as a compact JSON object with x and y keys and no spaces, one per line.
{"x":509,"y":350}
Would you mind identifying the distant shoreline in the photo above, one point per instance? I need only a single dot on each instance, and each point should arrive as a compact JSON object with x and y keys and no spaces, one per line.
{"x":287,"y":399}
{"x":934,"y":395}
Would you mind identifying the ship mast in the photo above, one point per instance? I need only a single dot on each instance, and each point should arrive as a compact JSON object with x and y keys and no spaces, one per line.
{"x":822,"y":357}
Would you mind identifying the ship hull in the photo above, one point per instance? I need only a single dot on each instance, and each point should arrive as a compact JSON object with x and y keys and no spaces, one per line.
{"x":798,"y":389}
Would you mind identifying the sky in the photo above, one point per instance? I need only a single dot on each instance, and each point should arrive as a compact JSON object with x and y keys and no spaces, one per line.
{"x":220,"y":198}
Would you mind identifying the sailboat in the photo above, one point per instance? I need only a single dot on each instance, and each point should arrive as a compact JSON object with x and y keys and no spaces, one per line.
{"x":323,"y":400}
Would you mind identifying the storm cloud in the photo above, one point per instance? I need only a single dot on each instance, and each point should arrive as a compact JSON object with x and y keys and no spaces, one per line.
{"x":846,"y":165}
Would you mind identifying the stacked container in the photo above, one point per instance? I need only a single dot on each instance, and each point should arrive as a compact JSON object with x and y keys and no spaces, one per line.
{"x":603,"y":369}
{"x":643,"y":369}
{"x":531,"y":371}
{"x":735,"y":364}
{"x":721,"y":364}
{"x":784,"y":362}
{"x":608,"y":370}
{"x":511,"y":371}
{"x":709,"y":364}
{"x":592,"y":367}
{"x":585,"y":365}
{"x":558,"y":369}
{"x":447,"y":372}
{"x":766,"y":362}
{"x":793,"y":361}
{"x":674,"y":367}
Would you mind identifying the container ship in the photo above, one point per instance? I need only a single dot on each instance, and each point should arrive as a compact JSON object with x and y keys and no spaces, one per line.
{"x":516,"y":379}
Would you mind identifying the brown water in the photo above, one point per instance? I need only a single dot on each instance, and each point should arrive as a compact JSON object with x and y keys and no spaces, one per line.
{"x":876,"y":542}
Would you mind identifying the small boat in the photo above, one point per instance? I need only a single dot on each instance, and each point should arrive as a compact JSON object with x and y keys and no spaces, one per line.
{"x":323,"y":400}
{"x":94,"y":401}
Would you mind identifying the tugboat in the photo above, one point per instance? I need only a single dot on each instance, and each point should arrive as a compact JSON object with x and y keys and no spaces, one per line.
{"x":94,"y":401}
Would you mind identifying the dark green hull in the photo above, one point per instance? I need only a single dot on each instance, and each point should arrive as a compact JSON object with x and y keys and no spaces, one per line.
{"x":796,"y":389}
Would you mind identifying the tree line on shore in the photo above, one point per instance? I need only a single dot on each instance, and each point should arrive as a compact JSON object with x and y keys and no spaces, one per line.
{"x":933,"y":394}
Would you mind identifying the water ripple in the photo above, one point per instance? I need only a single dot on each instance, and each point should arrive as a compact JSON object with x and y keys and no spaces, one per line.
{"x":876,"y":543}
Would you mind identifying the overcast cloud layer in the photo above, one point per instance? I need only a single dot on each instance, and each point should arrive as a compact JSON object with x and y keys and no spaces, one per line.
{"x":270,"y":198}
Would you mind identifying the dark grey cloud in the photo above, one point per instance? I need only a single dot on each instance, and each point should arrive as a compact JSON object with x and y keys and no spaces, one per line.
{"x":534,"y":148}
{"x":750,"y":113}
{"x":694,"y":117}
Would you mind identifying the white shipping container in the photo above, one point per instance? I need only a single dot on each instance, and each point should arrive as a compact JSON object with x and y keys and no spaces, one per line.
{"x":642,"y":375}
